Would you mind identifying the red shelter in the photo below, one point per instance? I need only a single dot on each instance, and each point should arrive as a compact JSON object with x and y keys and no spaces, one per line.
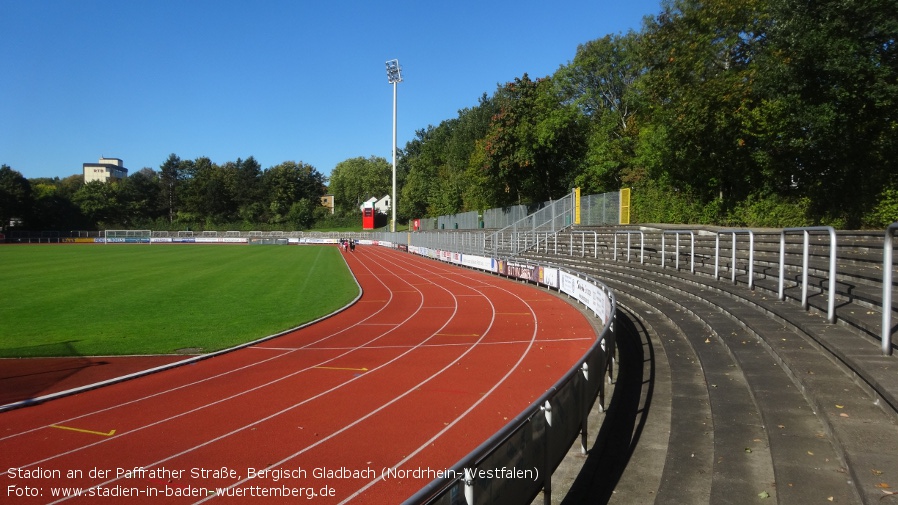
{"x":368,"y":218}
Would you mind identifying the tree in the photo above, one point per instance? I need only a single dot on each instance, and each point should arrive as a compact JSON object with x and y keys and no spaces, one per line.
{"x":139,"y":195}
{"x":534,"y":145}
{"x":355,"y":180}
{"x":209,"y":194}
{"x":170,"y":178}
{"x":99,"y":203}
{"x":440,"y":178}
{"x":302,"y":213}
{"x":248,"y":193}
{"x":290,"y":183}
{"x":601,"y":83}
{"x":700,"y":87}
{"x":15,"y":196}
{"x":827,"y":125}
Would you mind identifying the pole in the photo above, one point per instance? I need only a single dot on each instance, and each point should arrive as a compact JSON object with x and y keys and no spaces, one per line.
{"x":393,"y":201}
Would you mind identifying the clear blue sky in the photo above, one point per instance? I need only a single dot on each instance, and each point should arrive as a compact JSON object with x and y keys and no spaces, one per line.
{"x":277,"y":80}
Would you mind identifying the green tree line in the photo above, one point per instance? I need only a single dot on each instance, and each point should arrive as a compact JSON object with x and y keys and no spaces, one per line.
{"x":181,"y":194}
{"x":747,"y":113}
{"x":731,"y":112}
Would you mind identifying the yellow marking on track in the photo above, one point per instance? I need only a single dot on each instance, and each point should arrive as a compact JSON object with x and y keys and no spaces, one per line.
{"x":80,"y":430}
{"x":341,"y":368}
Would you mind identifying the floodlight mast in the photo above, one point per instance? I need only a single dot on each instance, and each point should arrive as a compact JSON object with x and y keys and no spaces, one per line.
{"x":394,"y":76}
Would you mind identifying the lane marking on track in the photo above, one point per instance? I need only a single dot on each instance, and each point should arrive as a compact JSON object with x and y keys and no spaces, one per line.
{"x":81,"y":430}
{"x":458,"y":344}
{"x":340,"y":368}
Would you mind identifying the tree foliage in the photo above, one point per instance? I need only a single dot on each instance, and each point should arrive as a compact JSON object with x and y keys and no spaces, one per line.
{"x":357,"y":179}
{"x":15,"y":196}
{"x":533,"y":145}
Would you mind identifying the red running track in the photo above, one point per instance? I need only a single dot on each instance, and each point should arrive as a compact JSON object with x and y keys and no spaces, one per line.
{"x":431,"y":361}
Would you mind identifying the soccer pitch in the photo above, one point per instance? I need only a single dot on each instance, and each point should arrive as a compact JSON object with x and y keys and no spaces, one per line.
{"x":120,"y":299}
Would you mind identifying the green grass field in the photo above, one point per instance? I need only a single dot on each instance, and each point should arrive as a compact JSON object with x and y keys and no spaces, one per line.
{"x":95,"y":300}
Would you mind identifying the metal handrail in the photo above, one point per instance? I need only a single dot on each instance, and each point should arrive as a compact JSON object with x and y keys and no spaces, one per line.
{"x":641,"y":244}
{"x":678,"y":233}
{"x":887,"y":290}
{"x":751,"y":255}
{"x":595,"y":243}
{"x":831,"y":307}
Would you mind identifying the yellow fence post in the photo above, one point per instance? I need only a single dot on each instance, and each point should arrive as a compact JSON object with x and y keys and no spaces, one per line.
{"x":576,"y":205}
{"x":625,"y":206}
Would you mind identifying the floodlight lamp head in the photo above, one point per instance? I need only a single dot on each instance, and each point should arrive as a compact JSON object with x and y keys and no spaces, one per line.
{"x":394,"y":71}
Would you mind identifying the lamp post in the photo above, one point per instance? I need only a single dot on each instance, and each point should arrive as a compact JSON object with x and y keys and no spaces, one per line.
{"x":394,"y":76}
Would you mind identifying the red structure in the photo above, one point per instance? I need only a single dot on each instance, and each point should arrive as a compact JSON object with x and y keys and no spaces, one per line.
{"x":368,"y":218}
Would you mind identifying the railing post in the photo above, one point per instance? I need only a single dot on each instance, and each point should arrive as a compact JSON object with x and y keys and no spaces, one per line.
{"x":677,"y":233}
{"x":663,"y":249}
{"x":469,"y":487}
{"x":805,"y":256}
{"x":887,"y":290}
{"x":751,"y":259}
{"x":782,"y":293}
{"x":831,"y":304}
{"x":584,"y":428}
{"x":641,"y":248}
{"x":547,"y":464}
{"x":677,"y":253}
{"x":717,"y":256}
{"x":733,"y":261}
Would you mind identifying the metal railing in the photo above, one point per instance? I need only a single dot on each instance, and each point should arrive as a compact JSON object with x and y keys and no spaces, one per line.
{"x":751,"y":255}
{"x":583,"y":234}
{"x":628,"y":233}
{"x":831,"y":304}
{"x":525,"y":234}
{"x":887,"y":290}
{"x":677,"y":233}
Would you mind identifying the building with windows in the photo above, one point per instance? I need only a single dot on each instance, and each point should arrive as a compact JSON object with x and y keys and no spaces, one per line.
{"x":379,"y":204}
{"x":327,"y":201}
{"x":105,"y":169}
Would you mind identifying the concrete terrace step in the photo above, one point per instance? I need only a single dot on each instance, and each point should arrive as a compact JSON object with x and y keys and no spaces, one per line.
{"x":750,"y":393}
{"x":812,"y":402}
{"x":860,"y":355}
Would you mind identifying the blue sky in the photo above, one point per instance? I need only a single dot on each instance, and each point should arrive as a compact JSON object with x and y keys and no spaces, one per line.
{"x":277,"y":80}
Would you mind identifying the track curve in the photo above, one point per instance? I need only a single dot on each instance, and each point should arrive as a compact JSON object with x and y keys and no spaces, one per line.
{"x":362,"y":407}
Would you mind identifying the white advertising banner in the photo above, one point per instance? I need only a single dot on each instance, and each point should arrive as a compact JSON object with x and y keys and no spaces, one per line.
{"x":549,"y":277}
{"x":586,"y":293}
{"x":479,"y":262}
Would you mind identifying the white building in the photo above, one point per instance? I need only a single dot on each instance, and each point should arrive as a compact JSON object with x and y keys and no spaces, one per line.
{"x":104,"y":170}
{"x":381,"y":205}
